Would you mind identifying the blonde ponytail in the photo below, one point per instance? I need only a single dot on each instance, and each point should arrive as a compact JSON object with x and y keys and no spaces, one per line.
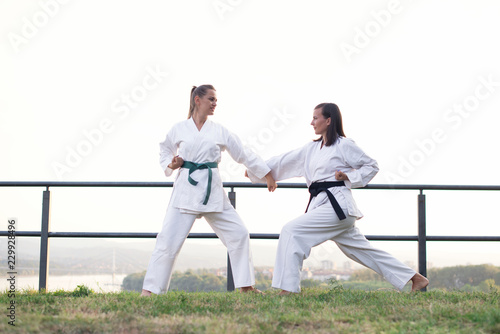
{"x":199,"y":91}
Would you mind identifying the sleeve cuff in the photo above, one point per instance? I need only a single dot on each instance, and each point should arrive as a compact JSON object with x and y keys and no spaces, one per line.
{"x":262,"y":172}
{"x":255,"y":179}
{"x":168,"y":171}
{"x":354,"y":180}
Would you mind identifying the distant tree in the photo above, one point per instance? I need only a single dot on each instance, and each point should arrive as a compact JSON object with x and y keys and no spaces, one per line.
{"x":262,"y":282}
{"x":459,"y":276}
{"x":191,"y":282}
{"x":188,"y":281}
{"x":365,"y":275}
{"x":469,"y":288}
{"x":367,"y":285}
{"x":468,"y":278}
{"x":310,"y":283}
{"x":488,"y":286}
{"x":133,"y":282}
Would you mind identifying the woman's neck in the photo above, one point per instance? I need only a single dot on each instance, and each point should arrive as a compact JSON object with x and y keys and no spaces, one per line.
{"x":323,"y":141}
{"x":199,"y":119}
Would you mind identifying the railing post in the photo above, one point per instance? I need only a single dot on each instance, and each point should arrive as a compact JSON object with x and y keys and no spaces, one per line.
{"x":230,"y":280}
{"x":44,"y":242}
{"x":422,"y":237}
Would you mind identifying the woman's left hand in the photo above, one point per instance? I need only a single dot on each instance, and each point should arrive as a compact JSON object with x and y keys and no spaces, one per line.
{"x":271,"y":183}
{"x":341,"y":176}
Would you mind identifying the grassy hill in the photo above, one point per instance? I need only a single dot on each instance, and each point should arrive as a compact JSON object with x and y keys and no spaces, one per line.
{"x":330,"y":310}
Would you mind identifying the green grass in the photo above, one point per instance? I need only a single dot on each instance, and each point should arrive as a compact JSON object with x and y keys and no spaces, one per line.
{"x":332,"y":310}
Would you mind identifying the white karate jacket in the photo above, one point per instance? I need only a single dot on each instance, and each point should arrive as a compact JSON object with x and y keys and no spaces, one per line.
{"x":202,"y":146}
{"x":318,"y":164}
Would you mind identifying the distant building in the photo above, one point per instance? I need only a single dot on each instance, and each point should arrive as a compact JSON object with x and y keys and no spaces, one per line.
{"x":347,"y":265}
{"x":306,"y":274}
{"x":222,"y":272}
{"x":265,"y":272}
{"x":328,"y":265}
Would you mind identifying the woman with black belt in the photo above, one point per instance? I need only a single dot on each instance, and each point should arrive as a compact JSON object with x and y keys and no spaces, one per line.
{"x":331,"y":165}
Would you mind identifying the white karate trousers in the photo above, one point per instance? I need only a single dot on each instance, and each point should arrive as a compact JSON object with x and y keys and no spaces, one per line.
{"x":319,"y":225}
{"x":176,"y":226}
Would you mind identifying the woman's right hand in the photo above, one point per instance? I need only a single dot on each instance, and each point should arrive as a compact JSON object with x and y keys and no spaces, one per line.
{"x":177,"y":162}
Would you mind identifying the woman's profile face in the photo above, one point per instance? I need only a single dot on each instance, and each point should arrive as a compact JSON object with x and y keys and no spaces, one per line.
{"x":319,"y":122}
{"x":206,"y":104}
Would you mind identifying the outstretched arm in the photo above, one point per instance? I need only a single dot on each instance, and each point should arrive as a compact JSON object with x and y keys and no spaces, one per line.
{"x":285,"y":166}
{"x":271,"y":184}
{"x":245,"y":156}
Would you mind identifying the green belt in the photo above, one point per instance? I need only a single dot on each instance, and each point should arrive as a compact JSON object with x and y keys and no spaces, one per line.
{"x":192,"y":166}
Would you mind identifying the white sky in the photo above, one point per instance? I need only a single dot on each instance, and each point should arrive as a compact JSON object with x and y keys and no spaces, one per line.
{"x":418,"y":83}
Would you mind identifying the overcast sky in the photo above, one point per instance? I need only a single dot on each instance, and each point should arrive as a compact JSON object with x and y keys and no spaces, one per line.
{"x":89,"y":88}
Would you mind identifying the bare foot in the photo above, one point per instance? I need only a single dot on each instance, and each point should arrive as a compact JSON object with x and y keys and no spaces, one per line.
{"x":145,"y":293}
{"x":418,"y":282}
{"x":284,"y":293}
{"x":246,"y":289}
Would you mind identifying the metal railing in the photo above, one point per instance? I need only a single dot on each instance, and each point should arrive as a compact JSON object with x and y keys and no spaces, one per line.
{"x":45,"y":234}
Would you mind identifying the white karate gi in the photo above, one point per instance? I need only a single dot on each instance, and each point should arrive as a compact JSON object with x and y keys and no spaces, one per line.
{"x":321,"y":223}
{"x":186,"y":203}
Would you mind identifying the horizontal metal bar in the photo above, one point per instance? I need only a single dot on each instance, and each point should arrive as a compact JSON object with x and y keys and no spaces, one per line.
{"x":21,"y":233}
{"x":101,"y":235}
{"x":264,"y":236}
{"x":462,"y":238}
{"x":429,"y":187}
{"x":83,"y":184}
{"x":260,"y":236}
{"x":239,"y":185}
{"x":392,"y":237}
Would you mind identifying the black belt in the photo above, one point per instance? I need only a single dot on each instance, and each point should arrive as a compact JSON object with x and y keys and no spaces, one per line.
{"x":317,"y":187}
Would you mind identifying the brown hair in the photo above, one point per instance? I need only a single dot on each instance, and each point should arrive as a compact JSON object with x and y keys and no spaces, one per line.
{"x":197,"y":91}
{"x":335,"y":129}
